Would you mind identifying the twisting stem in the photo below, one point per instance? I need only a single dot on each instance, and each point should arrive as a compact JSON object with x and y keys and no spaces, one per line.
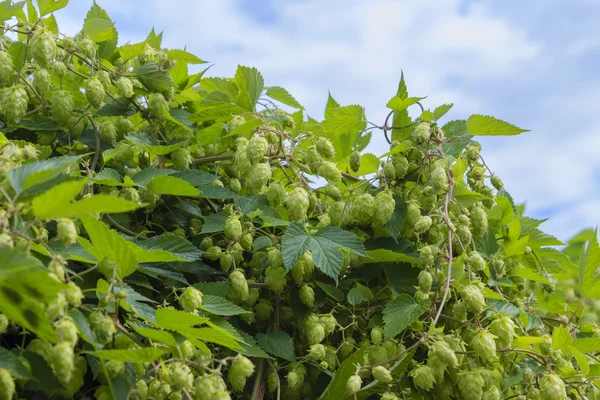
{"x":206,"y":160}
{"x":97,"y":151}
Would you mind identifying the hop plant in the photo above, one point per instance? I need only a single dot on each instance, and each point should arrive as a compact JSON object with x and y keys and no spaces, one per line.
{"x":257,"y":149}
{"x":384,"y":208}
{"x":330,"y":172}
{"x":504,"y":330}
{"x":444,"y":352}
{"x":423,"y":377}
{"x":3,"y":323}
{"x":157,"y":105}
{"x":6,"y":67}
{"x":233,"y":228}
{"x":353,"y":384}
{"x":276,"y":194}
{"x":552,"y":387}
{"x":42,"y":81}
{"x":485,"y":347}
{"x":94,"y":92}
{"x":307,"y":296}
{"x":14,"y":104}
{"x":355,"y":161}
{"x":66,"y":231}
{"x":423,"y":224}
{"x":470,"y":385}
{"x":325,"y":148}
{"x":190,"y":299}
{"x":239,"y":285}
{"x":297,"y":204}
{"x":422,"y":133}
{"x":473,"y":299}
{"x":43,"y":47}
{"x":363,"y":209}
{"x":62,"y":107}
{"x":241,"y":368}
{"x":7,"y":385}
{"x":425,"y":281}
{"x":124,"y":87}
{"x":87,"y":47}
{"x":259,"y":177}
{"x":62,"y":361}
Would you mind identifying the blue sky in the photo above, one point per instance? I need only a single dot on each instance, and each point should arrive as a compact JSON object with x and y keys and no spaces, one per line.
{"x":534,"y":64}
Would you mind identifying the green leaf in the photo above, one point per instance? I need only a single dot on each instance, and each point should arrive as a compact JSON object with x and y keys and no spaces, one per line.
{"x":336,"y":389}
{"x":344,"y":120}
{"x":14,"y":364}
{"x":483,"y":125}
{"x":83,"y":325}
{"x":105,"y":48}
{"x":221,"y":306}
{"x":32,"y":15}
{"x":581,"y":359}
{"x":331,"y":291}
{"x":561,"y":337}
{"x":457,"y":132}
{"x":402,"y":122}
{"x":587,"y":345}
{"x":153,"y":77}
{"x":172,"y":186}
{"x":395,"y":224}
{"x":99,"y":30}
{"x":9,"y":10}
{"x":398,"y":104}
{"x":146,"y":354}
{"x":324,"y":246}
{"x":440,"y":111}
{"x":399,"y":313}
{"x":589,"y":261}
{"x":359,"y":293}
{"x":277,"y":343}
{"x":145,"y":142}
{"x":58,"y":202}
{"x":107,"y":243}
{"x":214,"y":223}
{"x":154,"y":334}
{"x":185,"y":56}
{"x":283,"y":96}
{"x":250,"y":83}
{"x":177,"y":247}
{"x":389,"y":256}
{"x":464,"y":196}
{"x":369,"y":163}
{"x":39,"y":172}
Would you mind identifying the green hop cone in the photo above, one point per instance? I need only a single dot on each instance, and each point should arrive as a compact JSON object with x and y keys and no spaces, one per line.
{"x":67,"y":330}
{"x":43,"y":47}
{"x":497,"y":182}
{"x":276,"y":194}
{"x":355,"y":161}
{"x":384,"y":208}
{"x":400,"y":166}
{"x":181,"y":158}
{"x":330,"y":172}
{"x":233,"y":228}
{"x":190,"y":299}
{"x":239,"y":284}
{"x":444,"y":352}
{"x":275,"y":278}
{"x":347,"y":348}
{"x":62,"y":361}
{"x":422,"y":133}
{"x":157,"y":105}
{"x":476,"y":262}
{"x":307,"y":296}
{"x":389,"y":172}
{"x":226,"y":261}
{"x":389,"y":396}
{"x":235,"y":185}
{"x":259,"y":177}
{"x":425,"y":281}
{"x":439,"y":179}
{"x":124,"y":87}
{"x":61,"y":106}
{"x":108,"y":131}
{"x":328,"y":322}
{"x":87,"y":47}
{"x":473,"y":298}
{"x":316,"y":352}
{"x":376,"y":336}
{"x":316,"y":334}
{"x":213,"y":253}
{"x":58,"y":69}
{"x":325,"y":148}
{"x":274,"y":257}
{"x":272,"y":382}
{"x":256,"y":149}
{"x":423,"y":224}
{"x":363,"y":208}
{"x":263,"y":310}
{"x":241,"y":368}
{"x":66,"y":231}
{"x":353,"y":384}
{"x":3,"y":323}
{"x":6,"y":68}
{"x":104,"y":78}
{"x":42,"y":81}
{"x":423,"y":377}
{"x":413,"y":213}
{"x":504,"y":330}
{"x":479,"y":221}
{"x":297,"y":204}
{"x":382,"y":374}
{"x":470,"y":385}
{"x":7,"y":385}
{"x":246,"y":241}
{"x":485,"y":346}
{"x":14,"y":104}
{"x":334,"y":192}
{"x":94,"y":92}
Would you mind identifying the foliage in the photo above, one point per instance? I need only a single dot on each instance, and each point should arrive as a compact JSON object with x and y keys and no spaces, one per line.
{"x":169,"y":235}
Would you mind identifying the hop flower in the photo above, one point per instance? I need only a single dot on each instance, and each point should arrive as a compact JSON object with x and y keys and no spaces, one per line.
{"x":384,"y":208}
{"x":316,"y":352}
{"x":213,"y":253}
{"x":42,"y":81}
{"x":470,"y":384}
{"x":103,"y":326}
{"x":7,"y":385}
{"x":67,"y":330}
{"x":58,"y":69}
{"x":336,"y":213}
{"x":88,"y":47}
{"x":276,"y":194}
{"x":257,"y":149}
{"x":382,"y":374}
{"x":157,"y":105}
{"x":439,"y":180}
{"x":422,"y":133}
{"x":472,"y":152}
{"x":473,"y":298}
{"x":261,"y":175}
{"x":476,"y":262}
{"x":187,"y":350}
{"x":124,"y":87}
{"x":347,"y":348}
{"x":363,"y":208}
{"x":423,"y":377}
{"x":443,"y":351}
{"x":334,"y":192}
{"x":330,"y":172}
{"x":43,"y":47}
{"x":62,"y":107}
{"x":307,"y":296}
{"x":94,"y":92}
{"x":179,"y":376}
{"x":241,"y":368}
{"x":325,"y":148}
{"x":6,"y":67}
{"x":329,"y":323}
{"x":353,"y":384}
{"x":459,"y":311}
{"x":485,"y":346}
{"x":376,"y":336}
{"x":479,"y":220}
{"x":504,"y":330}
{"x":389,"y":172}
{"x":108,"y":131}
{"x":423,"y":224}
{"x":239,"y":285}
{"x":355,"y":161}
{"x":190,"y":299}
{"x":275,"y":278}
{"x":400,"y":166}
{"x":62,"y":361}
{"x":497,"y":182}
{"x":552,"y":387}
{"x":316,"y":334}
{"x":425,"y":281}
{"x":274,"y":257}
{"x":297,"y":204}
{"x":233,"y":228}
{"x":66,"y":231}
{"x":389,"y":396}
{"x":3,"y":323}
{"x":263,"y":310}
{"x":14,"y":104}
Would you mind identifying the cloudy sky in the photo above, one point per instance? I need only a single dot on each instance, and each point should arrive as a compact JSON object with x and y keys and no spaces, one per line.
{"x":534,"y":64}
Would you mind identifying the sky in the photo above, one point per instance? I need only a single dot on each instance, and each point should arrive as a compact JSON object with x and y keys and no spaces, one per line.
{"x":534,"y":64}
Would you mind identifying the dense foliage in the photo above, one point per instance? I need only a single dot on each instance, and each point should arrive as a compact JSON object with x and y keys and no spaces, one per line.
{"x":166,"y":235}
